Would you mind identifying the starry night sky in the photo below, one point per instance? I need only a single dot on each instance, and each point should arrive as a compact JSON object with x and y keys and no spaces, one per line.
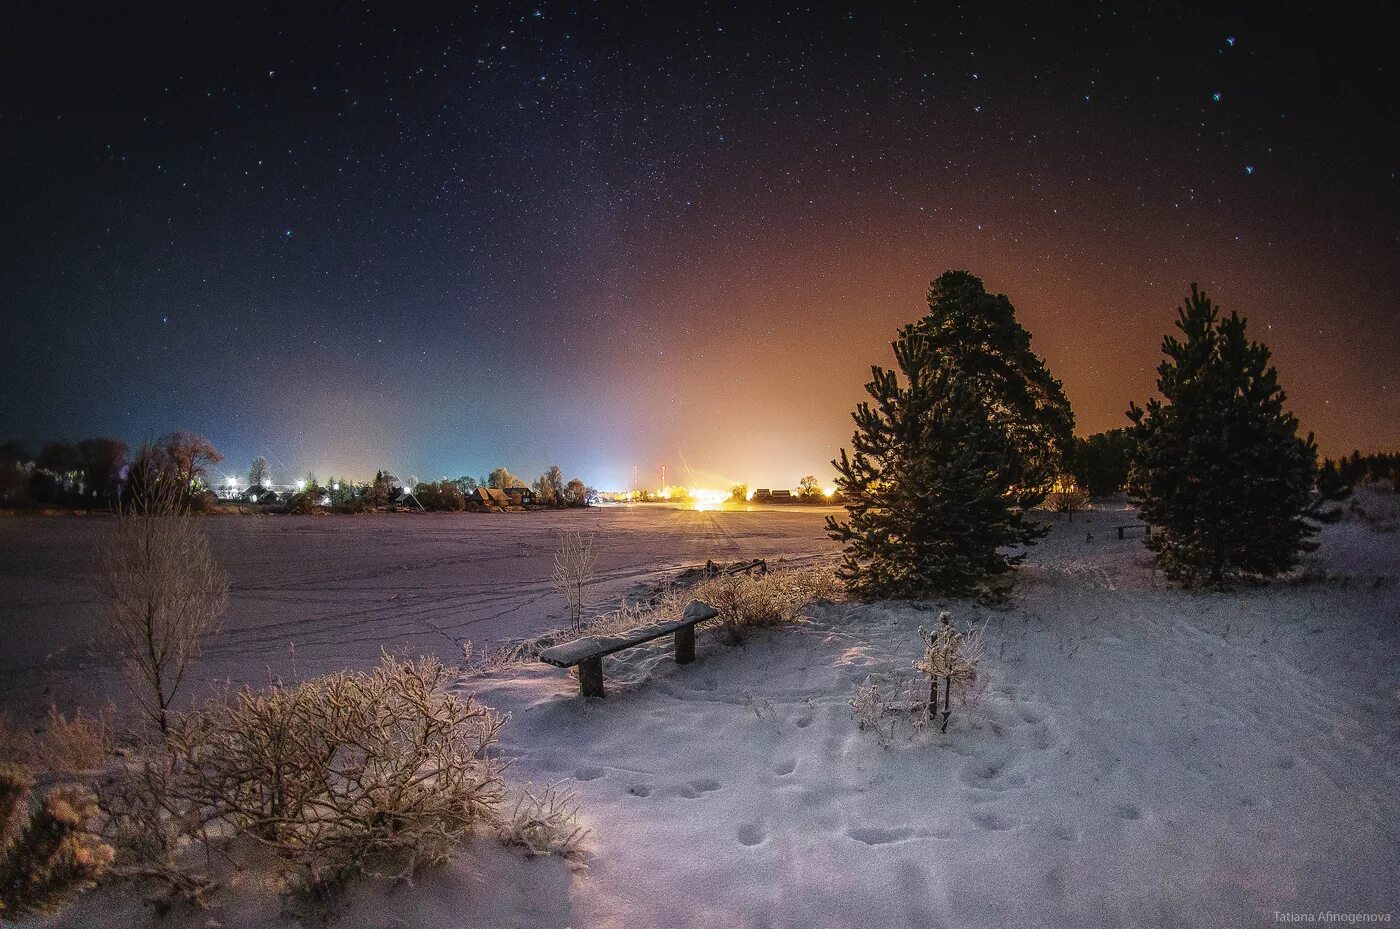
{"x":617,"y":235}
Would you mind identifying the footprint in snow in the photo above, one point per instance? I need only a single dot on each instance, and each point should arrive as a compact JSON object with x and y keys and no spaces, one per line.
{"x":640,"y":790}
{"x":992,"y":821}
{"x":784,"y":768}
{"x":802,"y":722}
{"x":875,"y":835}
{"x":752,"y":834}
{"x":589,"y":774}
{"x":696,"y":788}
{"x":1129,"y":811}
{"x":983,"y":772}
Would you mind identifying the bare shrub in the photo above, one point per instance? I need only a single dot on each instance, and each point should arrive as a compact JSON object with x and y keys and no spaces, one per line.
{"x":80,"y":743}
{"x":746,"y":600}
{"x":48,"y":852}
{"x":152,"y":826}
{"x":574,"y":559}
{"x":353,"y":773}
{"x":544,"y":823}
{"x":164,"y":594}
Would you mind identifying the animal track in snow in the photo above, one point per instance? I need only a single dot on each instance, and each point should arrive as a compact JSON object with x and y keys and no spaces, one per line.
{"x":697,"y":787}
{"x":640,"y":790}
{"x":784,"y":768}
{"x":875,"y":835}
{"x":752,"y":834}
{"x":589,"y":774}
{"x":802,"y":722}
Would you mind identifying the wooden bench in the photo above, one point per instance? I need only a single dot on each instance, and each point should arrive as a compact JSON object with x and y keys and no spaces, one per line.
{"x":588,"y":651}
{"x":1146,"y":529}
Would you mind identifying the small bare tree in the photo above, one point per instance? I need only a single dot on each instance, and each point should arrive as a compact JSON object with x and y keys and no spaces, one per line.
{"x":574,"y":560}
{"x":164,"y":594}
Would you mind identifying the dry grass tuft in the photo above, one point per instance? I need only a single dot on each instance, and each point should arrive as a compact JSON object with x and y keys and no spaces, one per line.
{"x":81,"y":743}
{"x":544,"y":823}
{"x":750,"y":600}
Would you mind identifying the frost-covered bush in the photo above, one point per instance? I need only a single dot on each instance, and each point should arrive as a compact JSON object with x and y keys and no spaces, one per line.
{"x":49,"y":851}
{"x":544,"y":822}
{"x":885,"y":708}
{"x":950,"y":657}
{"x":151,"y":826}
{"x":379,"y":772}
{"x":746,"y":600}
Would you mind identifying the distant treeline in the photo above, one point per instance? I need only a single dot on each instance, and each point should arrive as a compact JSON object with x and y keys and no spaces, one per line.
{"x":1099,"y":466}
{"x":101,"y":473}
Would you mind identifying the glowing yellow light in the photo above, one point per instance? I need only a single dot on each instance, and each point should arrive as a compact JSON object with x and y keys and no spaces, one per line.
{"x":829,"y":491}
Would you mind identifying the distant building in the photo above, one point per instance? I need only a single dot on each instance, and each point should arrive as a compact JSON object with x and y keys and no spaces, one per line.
{"x":763,"y":494}
{"x":782,"y":496}
{"x":521,"y":496}
{"x":496,"y":498}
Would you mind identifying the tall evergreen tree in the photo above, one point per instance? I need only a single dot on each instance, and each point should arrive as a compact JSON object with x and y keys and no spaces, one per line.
{"x":1219,"y":470}
{"x":956,"y":444}
{"x":976,"y":334}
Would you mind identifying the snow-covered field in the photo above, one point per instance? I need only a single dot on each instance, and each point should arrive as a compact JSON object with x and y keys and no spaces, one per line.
{"x":309,"y":595}
{"x":1143,"y":756}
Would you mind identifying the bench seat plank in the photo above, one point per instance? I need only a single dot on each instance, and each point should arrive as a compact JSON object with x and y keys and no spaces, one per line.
{"x":596,"y":646}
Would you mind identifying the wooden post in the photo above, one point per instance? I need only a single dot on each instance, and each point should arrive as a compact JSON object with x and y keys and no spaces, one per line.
{"x":590,"y":677}
{"x":1120,"y":531}
{"x":685,"y":644}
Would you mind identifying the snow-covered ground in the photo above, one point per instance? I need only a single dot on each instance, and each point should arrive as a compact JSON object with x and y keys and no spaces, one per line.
{"x":313,"y":594}
{"x":1143,"y":756}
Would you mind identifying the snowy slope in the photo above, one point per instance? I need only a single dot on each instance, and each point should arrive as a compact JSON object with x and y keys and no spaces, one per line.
{"x":1143,"y":756}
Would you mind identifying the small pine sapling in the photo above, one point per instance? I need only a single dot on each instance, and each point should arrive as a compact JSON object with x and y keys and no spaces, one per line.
{"x":950,"y":657}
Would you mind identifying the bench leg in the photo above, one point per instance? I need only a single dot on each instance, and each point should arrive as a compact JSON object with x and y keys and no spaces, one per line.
{"x":590,"y":677}
{"x":685,"y":645}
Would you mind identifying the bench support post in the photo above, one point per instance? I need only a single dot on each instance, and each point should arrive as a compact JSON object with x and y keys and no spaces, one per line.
{"x":590,"y":677}
{"x":685,"y":645}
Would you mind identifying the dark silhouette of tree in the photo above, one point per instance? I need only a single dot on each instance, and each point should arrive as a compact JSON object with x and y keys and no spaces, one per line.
{"x":977,"y":335}
{"x":258,"y":472}
{"x":102,"y":461}
{"x":576,"y":493}
{"x":1219,"y":470}
{"x":1099,"y":464}
{"x":949,"y":453}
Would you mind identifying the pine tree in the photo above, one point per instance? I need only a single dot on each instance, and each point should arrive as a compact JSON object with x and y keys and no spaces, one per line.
{"x":1219,"y":469}
{"x":947,"y":458}
{"x":976,"y":334}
